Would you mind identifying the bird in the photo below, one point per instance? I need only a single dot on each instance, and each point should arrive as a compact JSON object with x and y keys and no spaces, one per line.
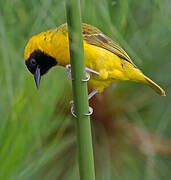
{"x":106,"y":62}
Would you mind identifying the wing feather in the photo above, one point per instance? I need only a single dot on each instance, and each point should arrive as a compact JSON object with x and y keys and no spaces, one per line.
{"x":95,"y":37}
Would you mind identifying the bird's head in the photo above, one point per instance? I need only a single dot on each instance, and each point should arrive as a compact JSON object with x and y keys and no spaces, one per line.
{"x":37,"y":61}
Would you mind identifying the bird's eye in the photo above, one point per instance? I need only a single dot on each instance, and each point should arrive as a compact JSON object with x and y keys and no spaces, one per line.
{"x":33,"y":62}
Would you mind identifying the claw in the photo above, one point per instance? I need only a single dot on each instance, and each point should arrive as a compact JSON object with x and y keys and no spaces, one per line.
{"x":86,"y":114}
{"x":87,"y":77}
{"x":68,"y":67}
{"x":90,"y":112}
{"x":87,"y":70}
{"x":72,"y":108}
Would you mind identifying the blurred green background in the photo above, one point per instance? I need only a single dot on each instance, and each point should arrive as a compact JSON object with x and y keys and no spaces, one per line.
{"x":131,"y":124}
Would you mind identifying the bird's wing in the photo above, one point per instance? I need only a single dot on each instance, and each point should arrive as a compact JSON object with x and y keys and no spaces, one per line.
{"x":95,"y":37}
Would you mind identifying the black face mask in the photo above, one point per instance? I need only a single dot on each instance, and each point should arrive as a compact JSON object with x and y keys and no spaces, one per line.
{"x":38,"y":64}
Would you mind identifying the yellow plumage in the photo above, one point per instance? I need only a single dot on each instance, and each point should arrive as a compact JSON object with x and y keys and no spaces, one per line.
{"x":101,"y":54}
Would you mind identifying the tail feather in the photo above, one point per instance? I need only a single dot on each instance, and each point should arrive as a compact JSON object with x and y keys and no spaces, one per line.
{"x":154,"y":86}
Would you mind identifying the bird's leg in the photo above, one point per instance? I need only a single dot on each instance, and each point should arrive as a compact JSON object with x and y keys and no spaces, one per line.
{"x":94,"y":92}
{"x":88,"y":71}
{"x":90,"y":108}
{"x":89,"y":97}
{"x":86,"y":114}
{"x":91,"y":71}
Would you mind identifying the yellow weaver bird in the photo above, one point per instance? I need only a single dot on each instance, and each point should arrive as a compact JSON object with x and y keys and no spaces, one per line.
{"x":105,"y":60}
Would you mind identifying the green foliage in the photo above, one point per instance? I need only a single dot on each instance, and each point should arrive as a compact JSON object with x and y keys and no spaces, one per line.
{"x":34,"y":126}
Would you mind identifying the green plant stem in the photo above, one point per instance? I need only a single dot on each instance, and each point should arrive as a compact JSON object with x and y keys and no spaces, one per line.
{"x":80,"y":93}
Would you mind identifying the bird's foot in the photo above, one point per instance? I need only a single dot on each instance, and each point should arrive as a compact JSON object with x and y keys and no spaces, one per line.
{"x":87,"y":70}
{"x":68,"y":68}
{"x":90,"y":108}
{"x":86,"y":114}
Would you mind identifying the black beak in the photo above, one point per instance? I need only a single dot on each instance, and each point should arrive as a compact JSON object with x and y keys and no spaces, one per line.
{"x":37,"y":77}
